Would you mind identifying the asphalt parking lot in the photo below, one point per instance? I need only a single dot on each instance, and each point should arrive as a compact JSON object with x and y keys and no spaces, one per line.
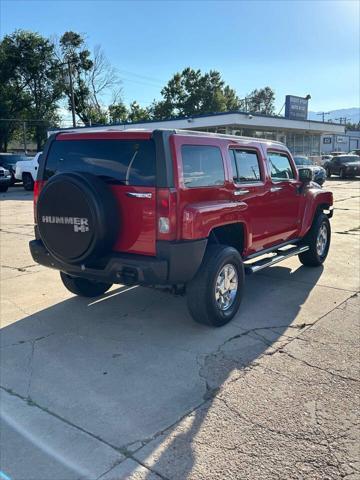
{"x":129,"y":387}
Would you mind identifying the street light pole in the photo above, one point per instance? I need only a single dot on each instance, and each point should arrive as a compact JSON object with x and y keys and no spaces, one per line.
{"x":72,"y":94}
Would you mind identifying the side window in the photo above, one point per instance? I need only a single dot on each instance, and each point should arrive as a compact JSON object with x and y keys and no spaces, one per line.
{"x":280,"y":167}
{"x":233,"y":165}
{"x":246,"y":166}
{"x":202,"y":166}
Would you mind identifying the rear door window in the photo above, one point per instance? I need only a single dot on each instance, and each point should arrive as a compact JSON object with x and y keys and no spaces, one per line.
{"x":245,"y":165}
{"x":202,"y":166}
{"x":280,"y":166}
{"x":128,"y":162}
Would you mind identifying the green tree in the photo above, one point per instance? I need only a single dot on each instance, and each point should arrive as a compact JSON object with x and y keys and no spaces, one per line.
{"x":92,"y":75}
{"x":137,"y":113}
{"x":353,"y":126}
{"x":191,"y":92}
{"x":118,"y":112}
{"x":261,"y":101}
{"x":76,"y":61}
{"x":29,"y":80}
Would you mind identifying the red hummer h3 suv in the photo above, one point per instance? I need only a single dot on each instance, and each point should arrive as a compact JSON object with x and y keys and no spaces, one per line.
{"x":176,"y":208}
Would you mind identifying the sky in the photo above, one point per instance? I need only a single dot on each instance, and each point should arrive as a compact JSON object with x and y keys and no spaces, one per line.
{"x":295,"y":47}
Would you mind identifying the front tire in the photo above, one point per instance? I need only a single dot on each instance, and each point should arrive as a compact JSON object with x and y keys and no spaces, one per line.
{"x":215,"y":293}
{"x":84,"y":287}
{"x":318,"y":239}
{"x":3,"y":189}
{"x":328,"y":173}
{"x":342,"y":174}
{"x":28,"y":182}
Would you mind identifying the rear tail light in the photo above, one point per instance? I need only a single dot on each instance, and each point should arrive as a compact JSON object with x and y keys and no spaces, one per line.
{"x":166,"y":214}
{"x":38,"y":185}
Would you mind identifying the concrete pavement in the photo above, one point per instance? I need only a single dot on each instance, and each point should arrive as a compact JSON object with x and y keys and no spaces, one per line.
{"x":128,"y":386}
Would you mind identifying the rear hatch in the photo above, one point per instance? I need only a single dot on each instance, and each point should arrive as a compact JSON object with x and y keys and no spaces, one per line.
{"x":127,"y":164}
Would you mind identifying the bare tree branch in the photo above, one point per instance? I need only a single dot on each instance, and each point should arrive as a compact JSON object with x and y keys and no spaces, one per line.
{"x":101,"y":78}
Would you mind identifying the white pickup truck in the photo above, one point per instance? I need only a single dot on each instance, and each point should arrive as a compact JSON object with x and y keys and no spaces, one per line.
{"x":26,"y":171}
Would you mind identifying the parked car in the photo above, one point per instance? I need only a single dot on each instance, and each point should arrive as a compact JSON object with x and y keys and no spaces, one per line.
{"x":355,"y":152}
{"x":175,"y":208}
{"x":325,"y":158}
{"x":26,"y":171}
{"x":319,"y":173}
{"x":8,"y":161}
{"x":5,"y":179}
{"x":346,"y":166}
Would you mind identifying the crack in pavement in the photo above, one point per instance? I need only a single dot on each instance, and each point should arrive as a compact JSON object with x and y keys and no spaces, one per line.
{"x":351,"y":231}
{"x":123,"y":451}
{"x":17,"y":233}
{"x":150,"y":469}
{"x":30,"y":340}
{"x":337,"y":464}
{"x":32,"y":403}
{"x":348,"y":198}
{"x":290,"y":435}
{"x":332,"y":372}
{"x":19,"y":269}
{"x":210,"y":391}
{"x":18,"y":306}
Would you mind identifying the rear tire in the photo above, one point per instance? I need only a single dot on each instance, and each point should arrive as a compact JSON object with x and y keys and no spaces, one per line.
{"x":318,"y":239}
{"x":28,"y":182}
{"x":84,"y":287}
{"x":215,"y":293}
{"x":3,"y":189}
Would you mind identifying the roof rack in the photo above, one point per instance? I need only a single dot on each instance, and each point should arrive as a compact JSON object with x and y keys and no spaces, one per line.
{"x":201,"y":133}
{"x":179,"y":131}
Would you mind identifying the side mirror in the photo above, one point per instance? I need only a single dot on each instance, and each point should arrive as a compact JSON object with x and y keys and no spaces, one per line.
{"x":306,"y":175}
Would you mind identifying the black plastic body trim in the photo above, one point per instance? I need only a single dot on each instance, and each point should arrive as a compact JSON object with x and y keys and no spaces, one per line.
{"x":184,"y":258}
{"x":164,"y":163}
{"x":176,"y":262}
{"x":43,"y":158}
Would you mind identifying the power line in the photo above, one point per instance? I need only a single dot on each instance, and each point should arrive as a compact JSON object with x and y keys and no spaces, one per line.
{"x":145,"y":77}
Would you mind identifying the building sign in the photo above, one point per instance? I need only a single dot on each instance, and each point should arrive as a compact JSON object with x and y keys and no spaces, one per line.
{"x":296,"y":108}
{"x":340,"y":139}
{"x":327,"y":140}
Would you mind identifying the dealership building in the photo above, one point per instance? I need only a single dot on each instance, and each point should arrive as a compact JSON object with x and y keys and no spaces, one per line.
{"x":302,"y":136}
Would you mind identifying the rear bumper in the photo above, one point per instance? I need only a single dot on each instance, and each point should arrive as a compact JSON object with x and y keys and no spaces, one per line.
{"x":176,"y":262}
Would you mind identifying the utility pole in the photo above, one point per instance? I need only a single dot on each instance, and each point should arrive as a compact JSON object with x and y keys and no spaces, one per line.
{"x":341,"y":119}
{"x":24,"y":137}
{"x":323,"y":115}
{"x":71,"y":94}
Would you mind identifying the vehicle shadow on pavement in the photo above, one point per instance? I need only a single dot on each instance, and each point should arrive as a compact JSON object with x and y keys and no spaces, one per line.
{"x":127,"y":366}
{"x":17,"y":193}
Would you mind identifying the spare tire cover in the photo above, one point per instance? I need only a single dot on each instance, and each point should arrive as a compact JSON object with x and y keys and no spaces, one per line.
{"x":77,"y":217}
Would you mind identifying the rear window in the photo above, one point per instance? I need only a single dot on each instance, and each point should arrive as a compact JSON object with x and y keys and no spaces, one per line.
{"x":128,"y":162}
{"x":202,"y":166}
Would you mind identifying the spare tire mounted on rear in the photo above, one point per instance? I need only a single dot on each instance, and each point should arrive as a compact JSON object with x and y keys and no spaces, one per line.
{"x":77,"y":217}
